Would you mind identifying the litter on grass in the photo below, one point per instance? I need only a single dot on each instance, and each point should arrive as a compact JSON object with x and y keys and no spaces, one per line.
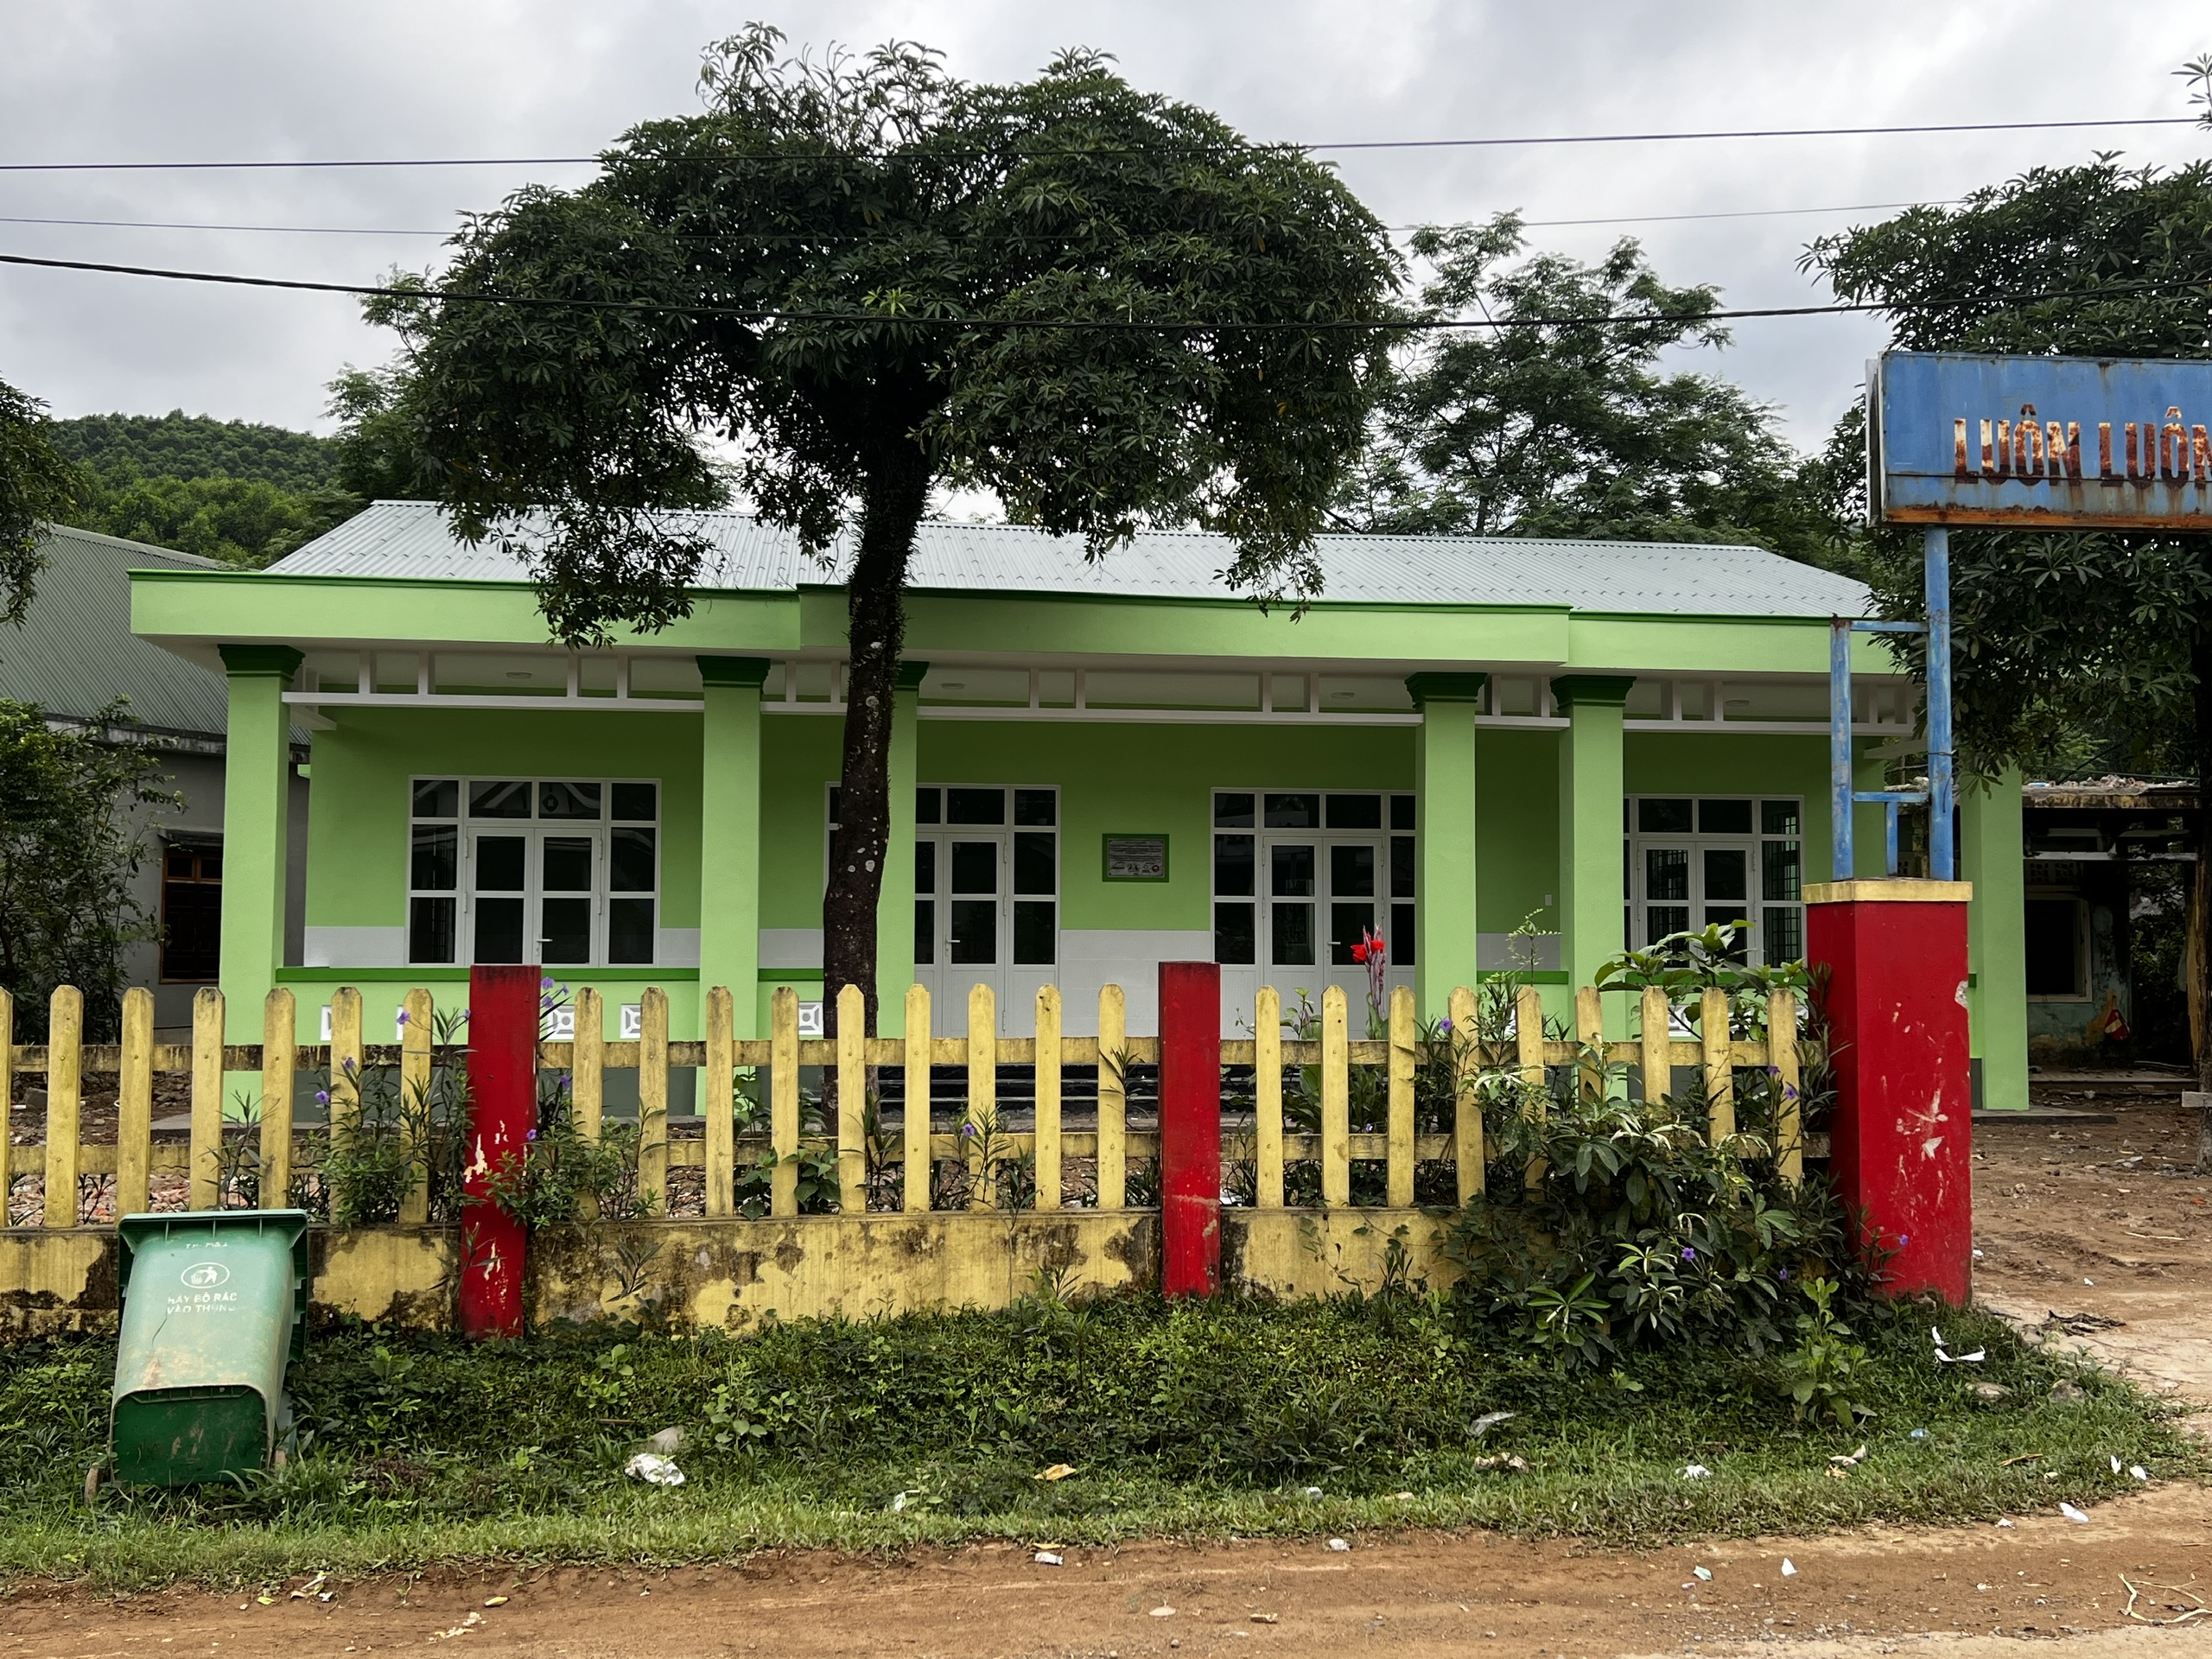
{"x":1854,"y":1459}
{"x":668,"y":1442}
{"x":1313,"y":1491}
{"x":1704,"y":1574}
{"x":1338,"y":1545}
{"x":1488,"y":1421}
{"x":2071,"y":1513}
{"x":2004,"y":1521}
{"x":2139,"y":1471}
{"x":1696,"y":1471}
{"x":1058,"y":1472}
{"x":1919,"y":1434}
{"x":1503,"y":1460}
{"x":1049,"y":1558}
{"x":1789,"y":1567}
{"x":654,"y":1470}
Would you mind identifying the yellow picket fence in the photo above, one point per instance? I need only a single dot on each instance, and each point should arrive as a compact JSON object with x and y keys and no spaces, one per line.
{"x":134,"y":1156}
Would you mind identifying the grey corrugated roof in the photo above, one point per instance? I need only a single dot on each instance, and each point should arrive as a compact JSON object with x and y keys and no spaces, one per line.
{"x":75,"y":653}
{"x":412,"y":538}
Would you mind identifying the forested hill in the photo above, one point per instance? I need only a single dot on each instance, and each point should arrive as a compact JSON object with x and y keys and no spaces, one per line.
{"x":178,"y":445}
{"x":229,"y":490}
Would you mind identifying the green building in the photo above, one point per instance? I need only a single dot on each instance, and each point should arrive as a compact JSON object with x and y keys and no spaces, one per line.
{"x":1102,"y":765}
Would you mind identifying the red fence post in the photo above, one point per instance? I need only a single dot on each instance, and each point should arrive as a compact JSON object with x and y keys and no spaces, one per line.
{"x":1901,"y":1152}
{"x":503,"y":1027}
{"x":1190,"y":1128}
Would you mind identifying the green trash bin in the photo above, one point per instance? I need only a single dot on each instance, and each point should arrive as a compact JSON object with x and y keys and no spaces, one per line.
{"x":214,"y":1306}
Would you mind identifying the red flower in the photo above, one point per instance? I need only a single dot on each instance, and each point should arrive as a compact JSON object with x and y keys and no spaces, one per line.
{"x":1359,"y":952}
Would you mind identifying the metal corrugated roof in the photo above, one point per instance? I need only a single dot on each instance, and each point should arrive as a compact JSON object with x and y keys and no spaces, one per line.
{"x":75,"y":653}
{"x":413,"y":539}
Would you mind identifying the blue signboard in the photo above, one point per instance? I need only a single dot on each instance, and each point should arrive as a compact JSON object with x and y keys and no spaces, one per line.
{"x":2043,"y":443}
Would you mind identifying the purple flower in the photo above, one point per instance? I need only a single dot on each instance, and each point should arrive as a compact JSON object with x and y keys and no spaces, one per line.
{"x":967,"y":1131}
{"x":531,"y":1135}
{"x":463,"y":1019}
{"x":1689,"y":1254}
{"x":548,"y":980}
{"x":1903,"y":1239}
{"x":351,"y":1064}
{"x":403,"y":1017}
{"x":1444,"y":1024}
{"x":1785,"y":1274}
{"x":323,"y":1097}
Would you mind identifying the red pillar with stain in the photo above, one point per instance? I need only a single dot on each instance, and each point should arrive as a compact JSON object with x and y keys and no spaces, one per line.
{"x":503,"y":1031}
{"x":1896,"y":953}
{"x":1190,"y":1128}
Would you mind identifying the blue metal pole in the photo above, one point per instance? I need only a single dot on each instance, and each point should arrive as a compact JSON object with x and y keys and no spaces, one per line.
{"x":1889,"y":837}
{"x":1840,"y":792}
{"x":1942,"y":791}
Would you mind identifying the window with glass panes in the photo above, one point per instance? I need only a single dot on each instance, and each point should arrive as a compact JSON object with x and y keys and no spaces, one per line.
{"x":1299,"y":875}
{"x":561,"y":872}
{"x":1695,"y":860}
{"x":986,"y":875}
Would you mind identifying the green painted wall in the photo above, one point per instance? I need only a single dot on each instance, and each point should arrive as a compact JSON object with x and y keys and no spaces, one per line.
{"x":1516,"y":774}
{"x":356,"y":827}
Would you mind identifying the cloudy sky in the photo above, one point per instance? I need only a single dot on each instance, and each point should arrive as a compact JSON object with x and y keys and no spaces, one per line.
{"x":140,"y":80}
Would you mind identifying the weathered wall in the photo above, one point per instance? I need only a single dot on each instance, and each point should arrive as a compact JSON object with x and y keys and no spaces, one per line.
{"x":733,"y":1273}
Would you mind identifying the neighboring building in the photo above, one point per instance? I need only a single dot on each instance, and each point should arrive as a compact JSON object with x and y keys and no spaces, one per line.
{"x":2109,"y":864}
{"x":1095,"y":766}
{"x":73,"y":654}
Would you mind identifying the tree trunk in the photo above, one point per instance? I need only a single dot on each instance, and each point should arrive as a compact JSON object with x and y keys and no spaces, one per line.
{"x":876,"y":627}
{"x":2200,"y":886}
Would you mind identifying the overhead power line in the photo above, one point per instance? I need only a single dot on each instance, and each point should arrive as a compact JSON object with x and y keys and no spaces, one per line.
{"x":396,"y":230}
{"x":1517,"y":141}
{"x":1408,"y":325}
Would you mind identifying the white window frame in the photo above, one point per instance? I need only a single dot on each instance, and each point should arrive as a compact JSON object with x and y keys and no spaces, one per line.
{"x":1636,"y":840}
{"x":534,"y":830}
{"x":1322,"y":840}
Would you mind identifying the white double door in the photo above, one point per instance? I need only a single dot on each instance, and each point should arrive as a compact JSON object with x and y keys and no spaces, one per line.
{"x":986,"y":913}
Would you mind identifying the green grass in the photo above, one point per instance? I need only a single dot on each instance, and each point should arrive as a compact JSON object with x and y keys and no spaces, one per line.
{"x":1189,"y":1420}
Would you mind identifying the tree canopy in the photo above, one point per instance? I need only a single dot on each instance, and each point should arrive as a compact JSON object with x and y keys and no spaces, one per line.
{"x":37,"y":486}
{"x":874,"y":280}
{"x":1552,"y":423}
{"x":72,"y":836}
{"x":2085,"y":648}
{"x":235,"y":491}
{"x":178,"y":445}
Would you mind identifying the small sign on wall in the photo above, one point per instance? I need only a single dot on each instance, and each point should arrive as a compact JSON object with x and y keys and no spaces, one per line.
{"x":1135,"y":858}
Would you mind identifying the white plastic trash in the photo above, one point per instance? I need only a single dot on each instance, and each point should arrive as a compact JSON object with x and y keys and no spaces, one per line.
{"x":654,"y":1470}
{"x":1696,"y":1471}
{"x":1338,"y":1544}
{"x":2071,"y":1513}
{"x":1789,"y":1567}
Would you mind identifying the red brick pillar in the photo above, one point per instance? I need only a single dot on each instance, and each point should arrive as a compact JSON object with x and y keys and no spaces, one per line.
{"x":503,"y":1016}
{"x":1190,"y":1128}
{"x":1896,"y":955}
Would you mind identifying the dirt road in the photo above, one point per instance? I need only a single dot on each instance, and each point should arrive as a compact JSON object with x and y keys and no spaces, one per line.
{"x":2102,"y":1225}
{"x":1414,"y":1596}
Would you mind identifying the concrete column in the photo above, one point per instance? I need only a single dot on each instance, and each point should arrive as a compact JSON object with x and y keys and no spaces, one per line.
{"x":1444,"y":881}
{"x":895,"y":913}
{"x":729,"y":834}
{"x":257,"y":830}
{"x":1997,"y":953}
{"x":1590,"y":899}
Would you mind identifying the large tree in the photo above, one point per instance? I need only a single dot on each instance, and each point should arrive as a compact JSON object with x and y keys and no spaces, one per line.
{"x":2082,"y":643}
{"x":872,"y":279}
{"x":1536,"y":417}
{"x":37,"y":486}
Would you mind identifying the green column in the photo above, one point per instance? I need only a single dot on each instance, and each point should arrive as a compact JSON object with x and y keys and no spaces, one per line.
{"x":1590,"y":899}
{"x":894,"y":909}
{"x":729,"y":834}
{"x":1444,"y":886}
{"x":256,"y":802}
{"x":1990,"y":843}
